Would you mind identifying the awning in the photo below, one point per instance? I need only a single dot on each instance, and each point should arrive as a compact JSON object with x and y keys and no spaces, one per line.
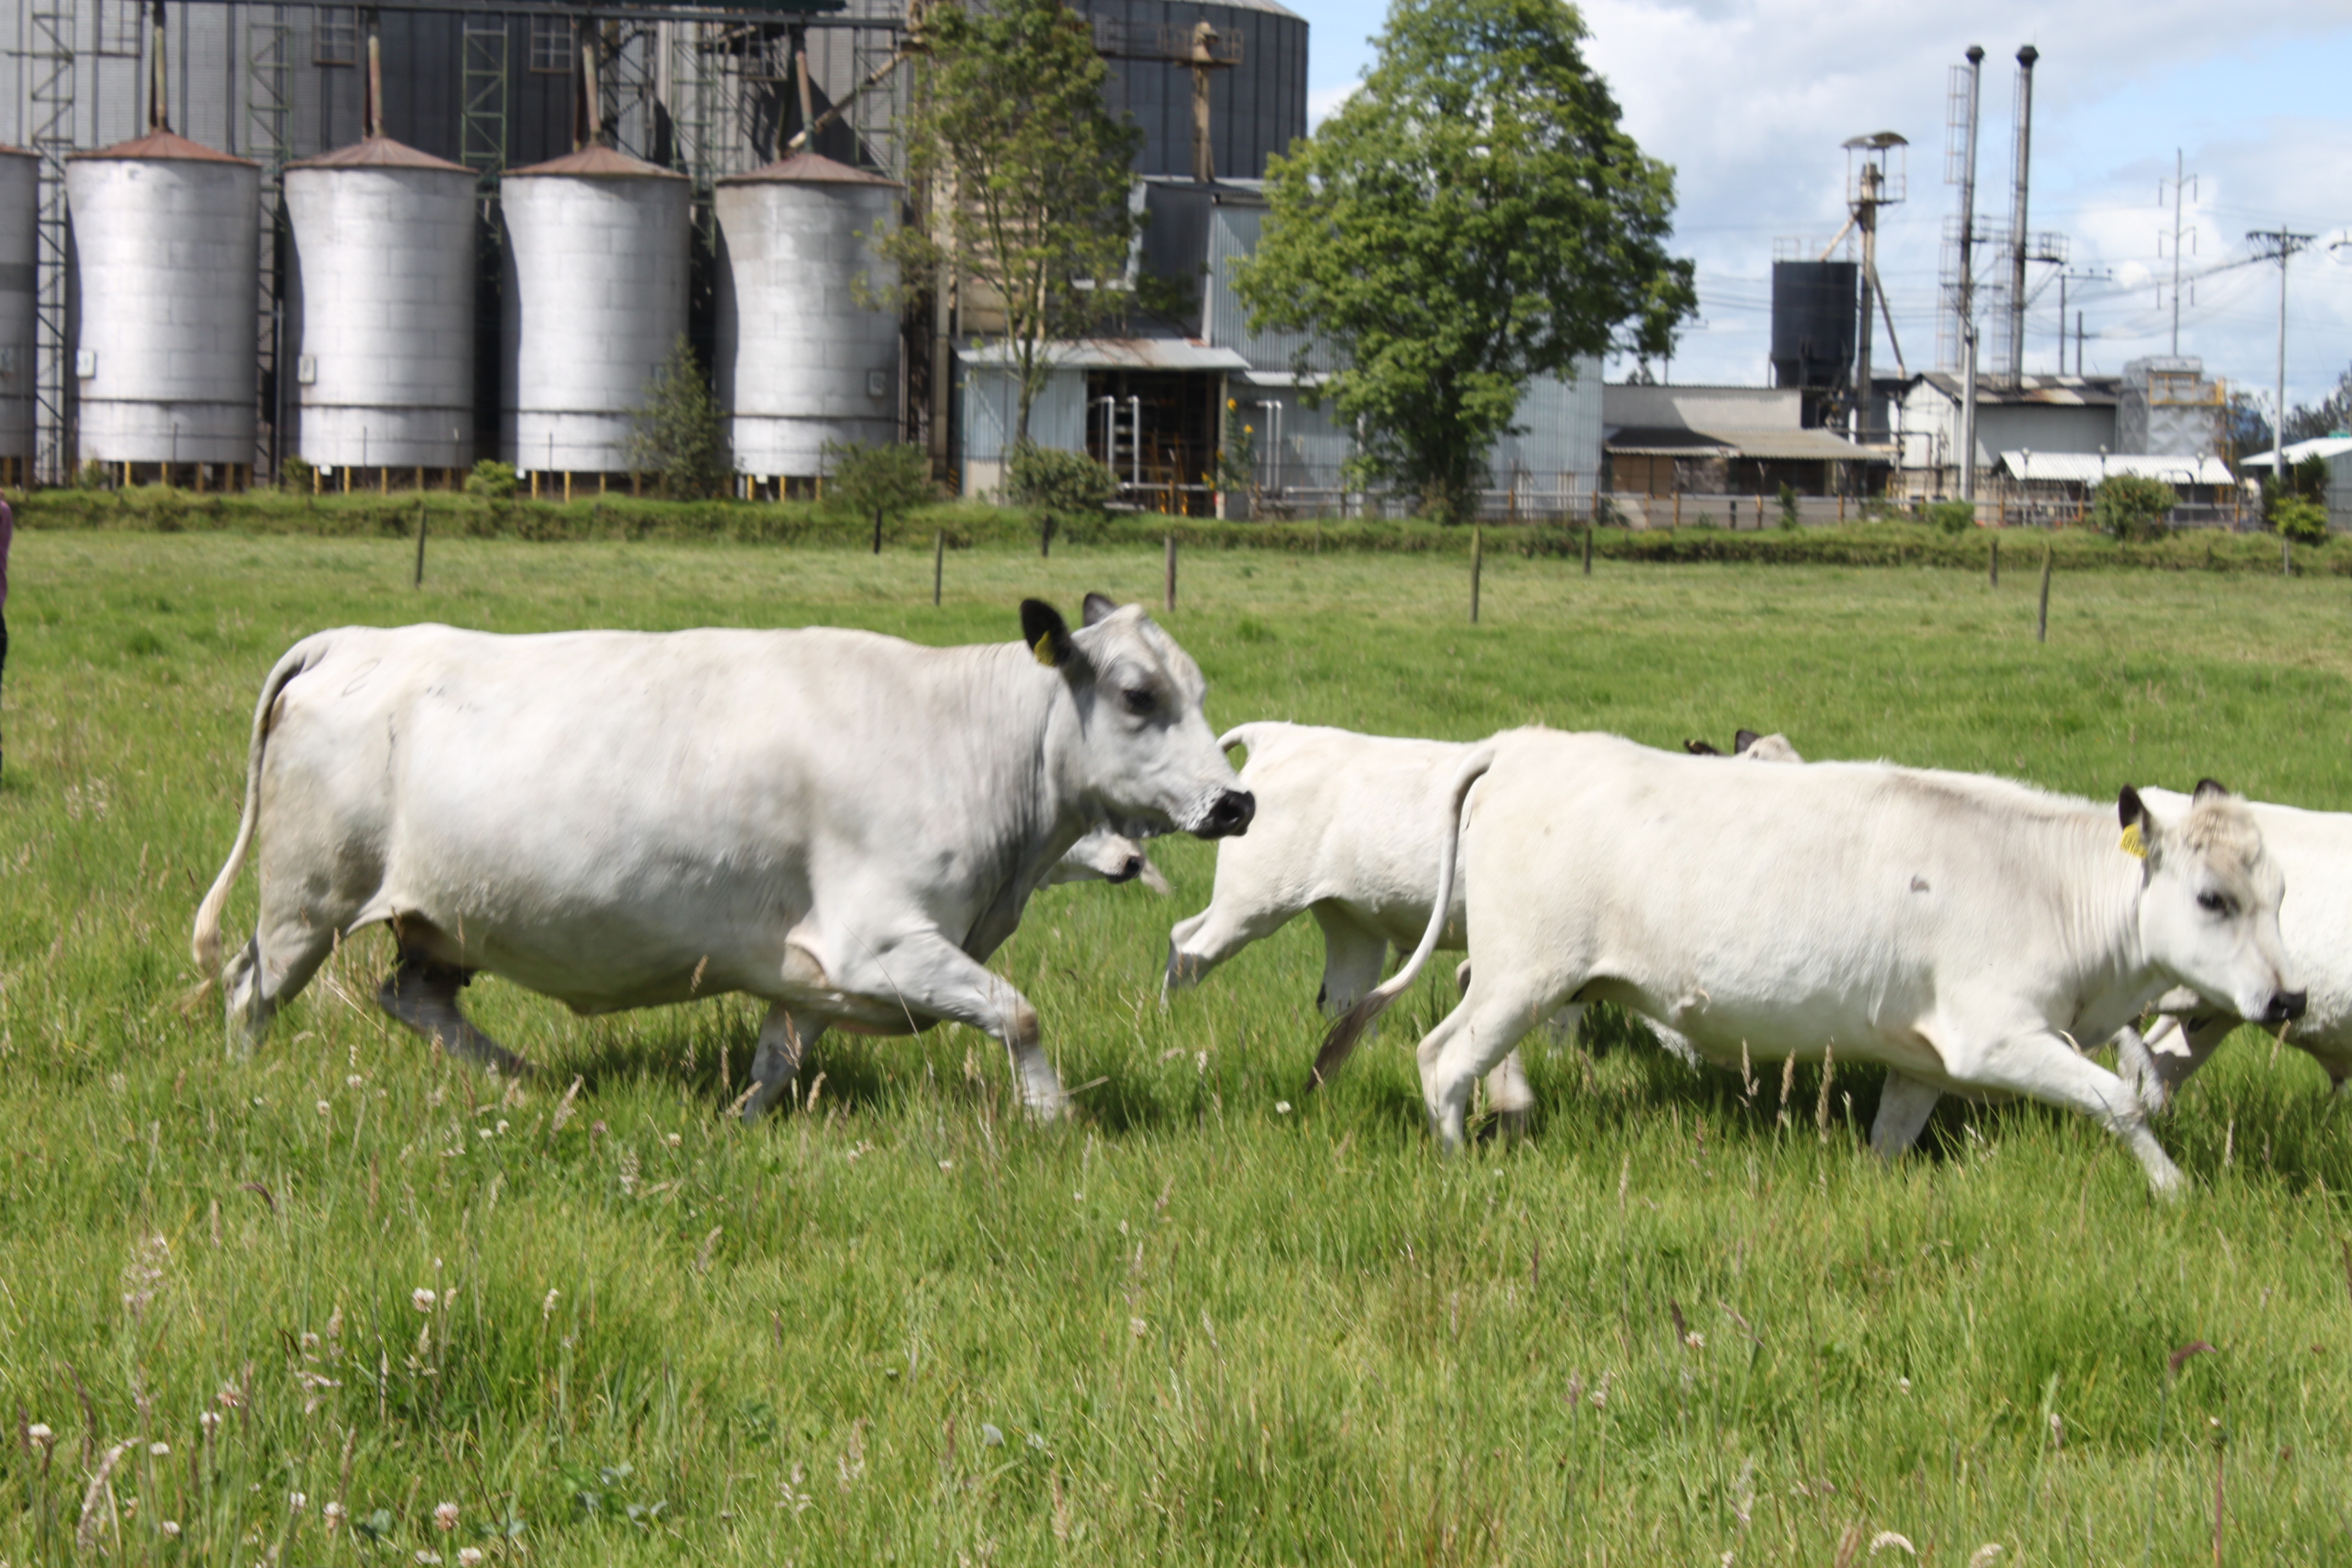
{"x":1113,"y":353}
{"x":2090,"y":467}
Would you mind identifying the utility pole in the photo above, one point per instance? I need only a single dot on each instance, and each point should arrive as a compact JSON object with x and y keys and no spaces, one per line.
{"x":2282,"y":244}
{"x":2105,"y":275}
{"x":1869,"y":188}
{"x":2179,"y":178}
{"x":1967,"y":301}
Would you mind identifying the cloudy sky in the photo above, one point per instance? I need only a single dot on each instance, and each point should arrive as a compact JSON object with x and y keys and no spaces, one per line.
{"x":1749,"y":99}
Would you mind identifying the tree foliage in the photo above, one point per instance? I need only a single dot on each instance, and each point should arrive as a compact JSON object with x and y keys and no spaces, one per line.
{"x":1474,"y":218}
{"x":1059,"y":484}
{"x":2130,"y":506}
{"x":892,"y":478}
{"x":2331,"y":415}
{"x":680,"y":433}
{"x":1012,"y":138}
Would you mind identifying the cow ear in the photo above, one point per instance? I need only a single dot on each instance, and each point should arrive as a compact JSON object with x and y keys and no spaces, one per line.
{"x":1047,"y":634}
{"x":2207,"y":790}
{"x":1098,"y":609}
{"x":2140,"y":827}
{"x":1700,"y":749}
{"x":2129,"y":810}
{"x":1743,"y":740}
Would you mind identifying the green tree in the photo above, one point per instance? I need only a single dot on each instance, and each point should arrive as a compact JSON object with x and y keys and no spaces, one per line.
{"x":2128,"y":505}
{"x":881,"y":483}
{"x":680,"y":435}
{"x":2331,"y":416}
{"x":1473,"y":219}
{"x":1011,"y":139}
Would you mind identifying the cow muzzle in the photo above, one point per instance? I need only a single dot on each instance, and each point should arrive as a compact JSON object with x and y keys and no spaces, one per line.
{"x":1229,"y":817}
{"x":2286,"y":1006}
{"x":1128,"y":870}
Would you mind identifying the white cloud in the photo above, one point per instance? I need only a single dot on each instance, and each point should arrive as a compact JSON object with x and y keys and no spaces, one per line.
{"x":1752,"y":98}
{"x":1322,"y":102}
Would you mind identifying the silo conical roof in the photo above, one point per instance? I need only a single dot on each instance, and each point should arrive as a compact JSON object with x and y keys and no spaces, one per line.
{"x":164,"y":146}
{"x":596,"y":163}
{"x":807,"y":169}
{"x":379,"y":152}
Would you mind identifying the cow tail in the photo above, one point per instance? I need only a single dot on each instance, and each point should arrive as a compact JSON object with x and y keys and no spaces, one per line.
{"x":205,"y":942}
{"x":1341,"y":1043}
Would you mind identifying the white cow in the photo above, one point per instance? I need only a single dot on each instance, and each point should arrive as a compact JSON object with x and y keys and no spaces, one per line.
{"x":2313,"y":850}
{"x":1103,"y":855}
{"x":1347,"y":830}
{"x":1962,"y":931}
{"x":843,"y":824}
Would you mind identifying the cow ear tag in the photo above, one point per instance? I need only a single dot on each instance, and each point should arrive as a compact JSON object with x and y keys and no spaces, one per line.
{"x":2132,"y":844}
{"x":1043,"y":649}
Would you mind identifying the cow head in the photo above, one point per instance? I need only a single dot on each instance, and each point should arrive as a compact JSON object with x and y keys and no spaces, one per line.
{"x":2209,"y":903}
{"x":1147,"y":759}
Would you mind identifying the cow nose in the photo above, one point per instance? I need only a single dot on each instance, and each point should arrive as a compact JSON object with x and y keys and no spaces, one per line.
{"x":1230,"y":816}
{"x":1129,"y":869}
{"x":2287,"y":1006}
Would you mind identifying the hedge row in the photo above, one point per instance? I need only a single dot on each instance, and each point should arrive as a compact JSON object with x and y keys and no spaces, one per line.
{"x":968,"y":525}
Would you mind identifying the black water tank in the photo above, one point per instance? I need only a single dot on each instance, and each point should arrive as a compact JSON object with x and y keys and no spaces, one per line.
{"x":1814,"y":307}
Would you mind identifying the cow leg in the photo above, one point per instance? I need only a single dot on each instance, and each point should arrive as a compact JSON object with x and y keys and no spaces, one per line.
{"x":785,"y":1038}
{"x":2043,"y":1065}
{"x":930,"y":976}
{"x":1352,"y":955}
{"x":1470,"y":1042}
{"x":1197,"y":945}
{"x":423,"y":996}
{"x":268,"y":972}
{"x":1903,"y":1107}
{"x":1509,"y":1096}
{"x":2157,"y":1066}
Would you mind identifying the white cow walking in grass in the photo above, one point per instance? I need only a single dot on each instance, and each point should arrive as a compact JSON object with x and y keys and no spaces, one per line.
{"x":1964,"y":932}
{"x":1347,"y":830}
{"x":846,"y":826}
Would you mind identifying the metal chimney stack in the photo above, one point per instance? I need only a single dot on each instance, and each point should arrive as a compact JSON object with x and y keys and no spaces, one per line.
{"x":2020,"y":240}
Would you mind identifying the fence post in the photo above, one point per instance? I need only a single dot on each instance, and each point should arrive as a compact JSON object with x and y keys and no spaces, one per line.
{"x":2042,"y":624}
{"x":938,"y":563}
{"x":1044,"y":537}
{"x":1996,"y":561}
{"x":1588,"y":548}
{"x":419,"y":581}
{"x":2286,"y":556}
{"x":877,"y":531}
{"x":1172,"y":574}
{"x":1477,"y":564}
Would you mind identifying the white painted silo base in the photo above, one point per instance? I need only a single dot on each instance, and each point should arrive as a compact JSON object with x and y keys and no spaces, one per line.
{"x":794,"y":449}
{"x":143,"y":431}
{"x":378,"y":437}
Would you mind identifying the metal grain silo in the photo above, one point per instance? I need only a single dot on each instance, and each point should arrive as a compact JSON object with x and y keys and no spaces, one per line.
{"x":382,"y":307}
{"x":19,"y":199}
{"x":165,"y":248}
{"x":801,"y":361}
{"x":596,"y":279}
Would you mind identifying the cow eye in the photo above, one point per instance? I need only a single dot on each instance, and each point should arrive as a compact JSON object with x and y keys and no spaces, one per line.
{"x":2213,"y":903}
{"x":1137,"y":699}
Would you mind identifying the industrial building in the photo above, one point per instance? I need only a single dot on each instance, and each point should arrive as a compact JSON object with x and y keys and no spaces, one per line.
{"x":391,"y":240}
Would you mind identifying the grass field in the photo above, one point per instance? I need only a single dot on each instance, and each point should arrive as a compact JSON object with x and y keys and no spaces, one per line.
{"x":902,"y":1325}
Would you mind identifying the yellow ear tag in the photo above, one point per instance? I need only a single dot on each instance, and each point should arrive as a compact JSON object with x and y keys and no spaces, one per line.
{"x":1043,"y":649}
{"x":2132,"y":844}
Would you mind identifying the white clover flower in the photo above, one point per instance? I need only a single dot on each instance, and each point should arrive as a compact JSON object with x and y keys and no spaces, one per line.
{"x":354,"y":1081}
{"x":1138,"y":1327}
{"x":325,"y":1108}
{"x":674,"y":1139}
{"x":422,"y":1299}
{"x":40,"y":1433}
{"x":334,"y":1514}
{"x":1282,"y":1108}
{"x":160,"y":1450}
{"x":445,"y":1516}
{"x":468,"y":1555}
{"x":297,"y":1501}
{"x":170,"y":1528}
{"x":1695,"y":1339}
{"x":547,"y":1307}
{"x":210,"y":1421}
{"x":427,"y":1558}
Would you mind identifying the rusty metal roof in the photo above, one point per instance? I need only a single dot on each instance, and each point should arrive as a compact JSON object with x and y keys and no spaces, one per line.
{"x":596,"y":163}
{"x":807,"y":169}
{"x":379,"y":152}
{"x":162,"y":146}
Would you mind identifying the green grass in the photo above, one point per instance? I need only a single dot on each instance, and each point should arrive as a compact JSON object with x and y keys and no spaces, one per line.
{"x":1205,"y":1326}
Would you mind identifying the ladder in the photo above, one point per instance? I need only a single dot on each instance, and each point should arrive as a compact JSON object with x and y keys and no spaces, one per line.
{"x":268,"y":118}
{"x":51,"y":65}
